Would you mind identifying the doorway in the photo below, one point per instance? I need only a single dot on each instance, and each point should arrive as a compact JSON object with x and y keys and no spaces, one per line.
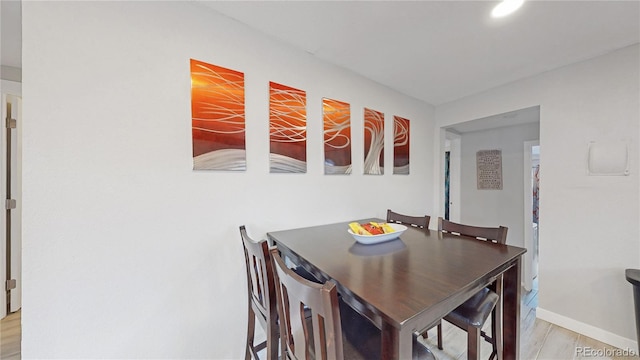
{"x":531,"y":213}
{"x":451,"y":180}
{"x":507,"y":131}
{"x":447,"y":183}
{"x":10,"y":183}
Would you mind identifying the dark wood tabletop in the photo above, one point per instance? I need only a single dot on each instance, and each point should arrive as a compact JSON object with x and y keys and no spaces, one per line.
{"x":408,"y":284}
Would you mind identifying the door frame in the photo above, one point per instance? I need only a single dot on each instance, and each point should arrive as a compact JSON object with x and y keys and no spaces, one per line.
{"x":527,"y":273}
{"x":14,"y":89}
{"x":455,"y":141}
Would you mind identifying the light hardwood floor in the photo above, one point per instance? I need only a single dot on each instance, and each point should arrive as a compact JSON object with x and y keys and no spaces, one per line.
{"x":540,"y":340}
{"x":10,"y":334}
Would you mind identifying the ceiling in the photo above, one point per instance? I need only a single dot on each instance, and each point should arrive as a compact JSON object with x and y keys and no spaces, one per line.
{"x":440,"y":51}
{"x":511,"y":118}
{"x":435,"y":51}
{"x":11,"y":33}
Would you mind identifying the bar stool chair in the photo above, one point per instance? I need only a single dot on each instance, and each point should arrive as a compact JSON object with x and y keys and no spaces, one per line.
{"x":333,"y":331}
{"x":472,"y":314}
{"x":262,"y":297}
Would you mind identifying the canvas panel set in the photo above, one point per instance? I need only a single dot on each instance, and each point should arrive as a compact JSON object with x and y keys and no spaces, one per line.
{"x":218,"y":128}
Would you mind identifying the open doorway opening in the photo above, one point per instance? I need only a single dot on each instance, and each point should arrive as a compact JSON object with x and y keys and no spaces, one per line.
{"x":451,"y":208}
{"x":506,"y":132}
{"x":11,"y":188}
{"x":10,"y":224}
{"x":531,"y":215}
{"x":447,"y":183}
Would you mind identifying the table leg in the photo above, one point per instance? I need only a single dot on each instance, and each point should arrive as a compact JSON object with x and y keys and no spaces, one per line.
{"x":396,"y":344}
{"x":511,"y":312}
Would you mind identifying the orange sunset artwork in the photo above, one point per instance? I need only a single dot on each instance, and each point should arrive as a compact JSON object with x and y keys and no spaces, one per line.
{"x":337,"y":136}
{"x":373,"y":142}
{"x":218,"y":117}
{"x":287,"y":129}
{"x":400,"y":145}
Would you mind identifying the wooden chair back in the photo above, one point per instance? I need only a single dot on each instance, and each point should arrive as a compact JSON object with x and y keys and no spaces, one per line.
{"x":493,"y":234}
{"x":421,"y":222}
{"x":262,"y":295}
{"x":318,"y":336}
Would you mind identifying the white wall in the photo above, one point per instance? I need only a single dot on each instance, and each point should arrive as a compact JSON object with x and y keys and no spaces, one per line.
{"x":496,"y":207}
{"x":10,"y":73}
{"x":589,"y":228}
{"x":128,"y":252}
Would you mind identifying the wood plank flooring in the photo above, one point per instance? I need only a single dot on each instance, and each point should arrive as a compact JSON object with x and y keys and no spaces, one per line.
{"x":10,"y":335}
{"x":540,"y":340}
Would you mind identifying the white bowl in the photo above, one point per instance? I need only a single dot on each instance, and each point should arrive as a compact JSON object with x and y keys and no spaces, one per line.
{"x":374,"y":239}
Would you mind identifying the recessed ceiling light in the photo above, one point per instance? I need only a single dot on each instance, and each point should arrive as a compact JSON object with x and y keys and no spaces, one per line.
{"x":506,"y":7}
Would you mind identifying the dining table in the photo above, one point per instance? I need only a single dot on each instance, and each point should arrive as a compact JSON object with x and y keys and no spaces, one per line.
{"x":408,"y":284}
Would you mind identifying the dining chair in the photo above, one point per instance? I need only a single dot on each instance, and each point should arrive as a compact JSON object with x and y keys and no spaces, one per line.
{"x":421,"y":222}
{"x":262,"y":297}
{"x":334,"y":331}
{"x":473,"y":313}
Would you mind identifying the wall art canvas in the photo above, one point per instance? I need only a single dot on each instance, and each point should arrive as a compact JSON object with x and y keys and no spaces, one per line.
{"x":217,"y":118}
{"x":400,"y":145}
{"x":373,"y":142}
{"x":287,"y":129}
{"x":337,"y":136}
{"x":489,"y":169}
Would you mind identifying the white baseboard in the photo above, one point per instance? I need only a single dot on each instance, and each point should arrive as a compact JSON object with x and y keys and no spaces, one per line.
{"x":587,"y":330}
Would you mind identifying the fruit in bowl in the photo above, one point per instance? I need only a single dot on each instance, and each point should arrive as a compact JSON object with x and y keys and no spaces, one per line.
{"x":371,"y":228}
{"x":373,"y":233}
